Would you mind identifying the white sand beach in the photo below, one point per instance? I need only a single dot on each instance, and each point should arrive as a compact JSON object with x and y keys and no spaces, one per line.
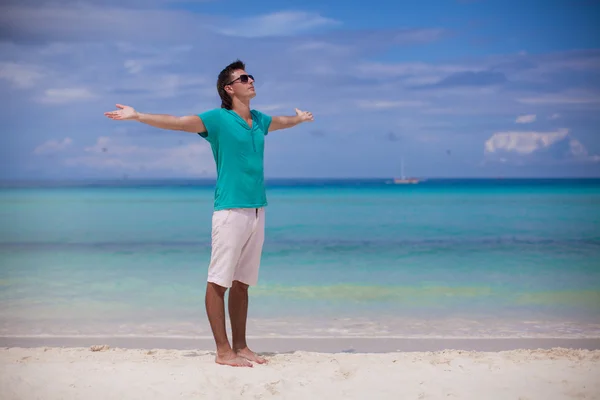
{"x":117,"y":373}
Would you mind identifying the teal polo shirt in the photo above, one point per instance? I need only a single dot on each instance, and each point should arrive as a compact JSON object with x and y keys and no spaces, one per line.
{"x":238,"y":150}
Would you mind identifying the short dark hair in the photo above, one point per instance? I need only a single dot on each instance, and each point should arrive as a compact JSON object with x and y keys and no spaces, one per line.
{"x":224,"y":79}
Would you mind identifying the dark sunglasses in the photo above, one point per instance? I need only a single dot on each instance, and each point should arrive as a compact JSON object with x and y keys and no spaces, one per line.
{"x":242,"y":78}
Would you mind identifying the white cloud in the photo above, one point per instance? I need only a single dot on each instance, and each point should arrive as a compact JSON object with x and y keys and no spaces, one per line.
{"x":418,"y":35}
{"x":536,"y":147}
{"x":19,"y":74}
{"x":412,"y":73}
{"x":104,"y":3}
{"x":525,"y":119}
{"x":152,"y":57}
{"x":554,"y":116}
{"x":574,"y":60}
{"x":322,"y":46}
{"x":541,"y":67}
{"x":523,"y":142}
{"x":159,"y":85}
{"x":56,"y":49}
{"x":65,"y":95}
{"x":281,"y":23}
{"x":273,"y":107}
{"x":561,"y":99}
{"x":103,"y":144}
{"x":133,"y":66}
{"x":77,"y":22}
{"x":53,"y":146}
{"x":108,"y":154}
{"x":412,"y":68}
{"x":385,"y":104}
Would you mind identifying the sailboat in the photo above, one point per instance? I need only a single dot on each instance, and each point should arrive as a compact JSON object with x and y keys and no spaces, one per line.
{"x":403,"y":180}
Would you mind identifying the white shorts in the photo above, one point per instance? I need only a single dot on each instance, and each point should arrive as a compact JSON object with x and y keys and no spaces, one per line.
{"x":237,"y":240}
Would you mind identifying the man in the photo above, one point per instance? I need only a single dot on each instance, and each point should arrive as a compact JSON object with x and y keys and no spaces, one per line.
{"x":236,"y":134}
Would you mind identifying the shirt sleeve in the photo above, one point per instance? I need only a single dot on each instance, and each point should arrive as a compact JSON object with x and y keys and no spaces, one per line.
{"x":211,"y":120}
{"x":264,"y":120}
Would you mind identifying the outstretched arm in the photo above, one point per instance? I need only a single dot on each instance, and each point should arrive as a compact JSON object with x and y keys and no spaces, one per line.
{"x":191,"y":123}
{"x":283,"y":122}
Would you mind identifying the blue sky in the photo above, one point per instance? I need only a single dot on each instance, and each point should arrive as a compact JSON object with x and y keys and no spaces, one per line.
{"x":458,"y":88}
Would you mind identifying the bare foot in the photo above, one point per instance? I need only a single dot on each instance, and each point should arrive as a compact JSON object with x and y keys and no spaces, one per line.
{"x":232,"y":360}
{"x":250,"y":355}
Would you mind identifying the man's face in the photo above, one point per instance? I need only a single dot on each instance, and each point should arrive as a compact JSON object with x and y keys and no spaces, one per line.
{"x":242,"y":85}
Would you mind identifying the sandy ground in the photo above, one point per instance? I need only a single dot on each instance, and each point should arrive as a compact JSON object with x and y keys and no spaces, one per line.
{"x":80,"y":373}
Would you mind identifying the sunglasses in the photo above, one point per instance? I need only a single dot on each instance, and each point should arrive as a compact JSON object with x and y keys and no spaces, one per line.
{"x":243,"y":79}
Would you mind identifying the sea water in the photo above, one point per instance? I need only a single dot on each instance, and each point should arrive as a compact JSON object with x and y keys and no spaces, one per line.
{"x":361,"y":258}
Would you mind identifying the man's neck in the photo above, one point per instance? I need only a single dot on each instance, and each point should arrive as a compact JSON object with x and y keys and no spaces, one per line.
{"x":242,"y":108}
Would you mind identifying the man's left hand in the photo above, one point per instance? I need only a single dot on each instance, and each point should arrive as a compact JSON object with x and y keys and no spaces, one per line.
{"x":304,"y":115}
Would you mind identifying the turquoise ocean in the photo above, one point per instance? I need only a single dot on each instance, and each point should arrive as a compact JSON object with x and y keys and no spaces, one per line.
{"x":361,"y":258}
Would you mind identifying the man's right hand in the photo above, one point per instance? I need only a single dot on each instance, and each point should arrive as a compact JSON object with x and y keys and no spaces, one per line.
{"x":124,"y":113}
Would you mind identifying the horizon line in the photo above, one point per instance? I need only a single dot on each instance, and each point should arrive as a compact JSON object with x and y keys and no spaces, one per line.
{"x":129,"y":179}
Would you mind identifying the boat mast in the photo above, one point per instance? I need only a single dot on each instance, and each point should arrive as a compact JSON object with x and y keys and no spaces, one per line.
{"x":402,"y":168}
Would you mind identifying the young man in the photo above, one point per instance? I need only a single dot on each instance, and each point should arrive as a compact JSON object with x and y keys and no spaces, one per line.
{"x":236,"y":134}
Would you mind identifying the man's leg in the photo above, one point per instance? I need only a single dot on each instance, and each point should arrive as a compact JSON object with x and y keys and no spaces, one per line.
{"x":228,"y":237}
{"x":215,"y":308}
{"x":238,"y":313}
{"x":246,"y":274}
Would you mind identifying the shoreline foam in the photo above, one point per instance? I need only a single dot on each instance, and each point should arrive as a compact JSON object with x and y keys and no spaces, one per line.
{"x":316,"y":344}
